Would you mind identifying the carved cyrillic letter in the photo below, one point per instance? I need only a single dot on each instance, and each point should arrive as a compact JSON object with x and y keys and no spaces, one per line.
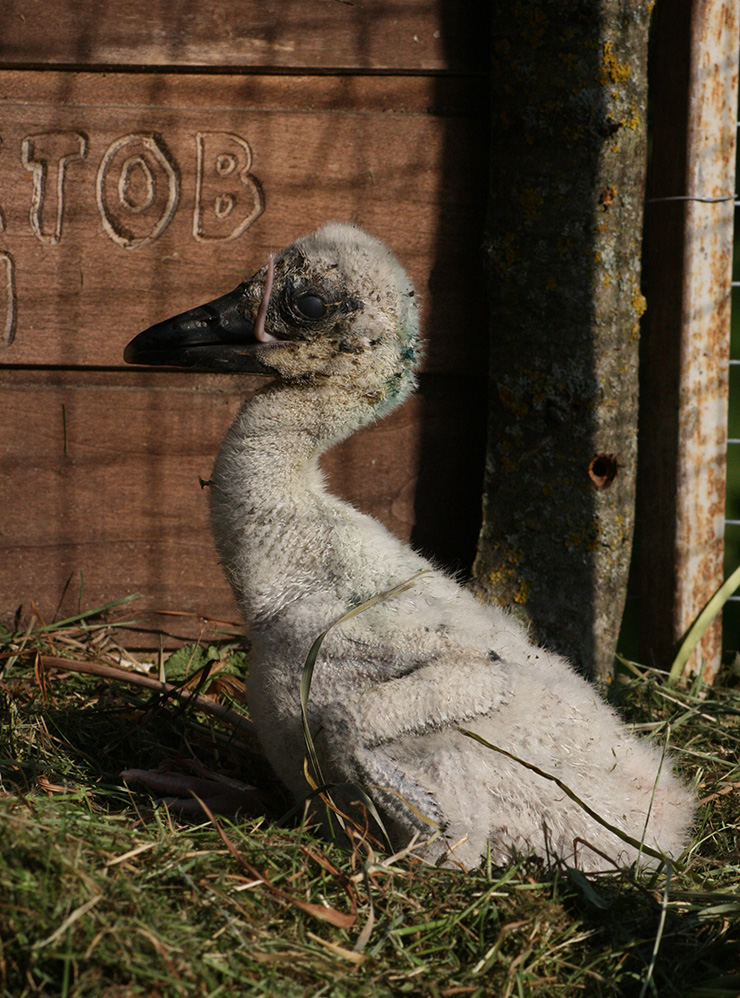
{"x":137,"y":189}
{"x":2,"y":216}
{"x":227,"y":198}
{"x":7,"y":300}
{"x":44,"y":154}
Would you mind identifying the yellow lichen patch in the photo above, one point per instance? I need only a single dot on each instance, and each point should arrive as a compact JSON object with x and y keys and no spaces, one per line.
{"x":503,"y":574}
{"x":633,"y":122}
{"x":612,"y":70}
{"x":639,"y":303}
{"x":498,"y":577}
{"x":522,"y":594}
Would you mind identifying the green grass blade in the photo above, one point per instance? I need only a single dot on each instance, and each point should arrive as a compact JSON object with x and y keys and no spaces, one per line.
{"x":95,"y":612}
{"x":702,"y":622}
{"x":658,"y":936}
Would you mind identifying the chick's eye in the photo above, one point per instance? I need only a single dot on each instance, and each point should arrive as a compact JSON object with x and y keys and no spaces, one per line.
{"x":310,"y":306}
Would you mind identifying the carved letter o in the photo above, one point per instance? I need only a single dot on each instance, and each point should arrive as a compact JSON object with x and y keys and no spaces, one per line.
{"x":135,"y":221}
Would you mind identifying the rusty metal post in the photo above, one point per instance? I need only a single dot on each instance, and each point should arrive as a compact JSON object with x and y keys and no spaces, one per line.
{"x":688,"y":261}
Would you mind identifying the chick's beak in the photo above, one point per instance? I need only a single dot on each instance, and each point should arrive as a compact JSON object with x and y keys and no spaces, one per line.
{"x":221,"y":335}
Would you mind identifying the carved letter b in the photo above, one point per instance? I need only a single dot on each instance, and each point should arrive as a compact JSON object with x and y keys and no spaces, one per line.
{"x":227,"y":198}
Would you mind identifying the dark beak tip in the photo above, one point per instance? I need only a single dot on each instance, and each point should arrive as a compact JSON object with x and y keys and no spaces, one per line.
{"x":216,"y":336}
{"x":142,"y":349}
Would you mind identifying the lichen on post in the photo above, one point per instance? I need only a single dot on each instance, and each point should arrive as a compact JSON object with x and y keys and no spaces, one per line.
{"x":563,"y":258}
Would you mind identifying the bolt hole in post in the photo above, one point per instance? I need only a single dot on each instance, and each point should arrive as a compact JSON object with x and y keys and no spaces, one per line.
{"x":603,"y":470}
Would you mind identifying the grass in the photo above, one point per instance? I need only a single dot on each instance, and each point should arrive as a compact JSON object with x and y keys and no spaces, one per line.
{"x":104,"y":892}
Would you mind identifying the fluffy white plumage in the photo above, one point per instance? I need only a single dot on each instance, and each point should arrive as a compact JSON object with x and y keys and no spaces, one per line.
{"x":394,"y":686}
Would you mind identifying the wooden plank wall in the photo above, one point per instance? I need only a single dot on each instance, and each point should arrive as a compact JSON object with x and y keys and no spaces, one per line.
{"x":151,"y":156}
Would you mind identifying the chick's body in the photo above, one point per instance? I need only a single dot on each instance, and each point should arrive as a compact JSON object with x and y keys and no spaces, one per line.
{"x":396,"y":686}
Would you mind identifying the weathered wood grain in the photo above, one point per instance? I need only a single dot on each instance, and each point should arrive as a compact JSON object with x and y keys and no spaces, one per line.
{"x":686,"y":331}
{"x":99,"y":484}
{"x":438,"y":35}
{"x":127,"y":197}
{"x":569,"y":124}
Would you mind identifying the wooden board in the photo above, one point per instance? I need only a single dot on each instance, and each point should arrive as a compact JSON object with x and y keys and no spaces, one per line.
{"x":152,"y":154}
{"x":99,"y":485}
{"x":126,"y":198}
{"x":238,"y":34}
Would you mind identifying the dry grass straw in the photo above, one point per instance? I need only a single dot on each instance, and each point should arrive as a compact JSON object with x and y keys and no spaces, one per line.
{"x":103,"y":892}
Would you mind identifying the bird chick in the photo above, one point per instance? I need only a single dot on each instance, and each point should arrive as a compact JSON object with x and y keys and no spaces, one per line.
{"x":400,"y":689}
